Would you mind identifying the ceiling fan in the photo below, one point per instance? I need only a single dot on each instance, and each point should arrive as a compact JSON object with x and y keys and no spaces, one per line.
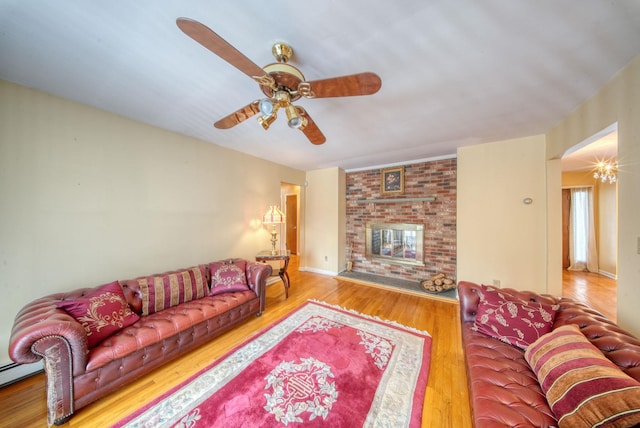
{"x":281,"y":83}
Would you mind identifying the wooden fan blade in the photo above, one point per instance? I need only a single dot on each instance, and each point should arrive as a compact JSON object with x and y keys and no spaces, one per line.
{"x":346,"y":86}
{"x":219,"y":46}
{"x":238,"y":116}
{"x":312,"y":131}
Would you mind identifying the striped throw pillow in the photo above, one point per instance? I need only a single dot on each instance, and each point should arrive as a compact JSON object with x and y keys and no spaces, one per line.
{"x":582,"y":386}
{"x":170,"y":289}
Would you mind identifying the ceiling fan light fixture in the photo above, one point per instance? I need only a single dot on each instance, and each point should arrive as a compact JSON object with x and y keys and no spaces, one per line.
{"x":294,"y":120}
{"x":266,"y":107}
{"x":266,"y":121}
{"x":282,"y":99}
{"x":298,"y":123}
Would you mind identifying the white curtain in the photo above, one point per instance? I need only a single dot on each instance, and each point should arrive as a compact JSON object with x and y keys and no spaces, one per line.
{"x":582,"y":237}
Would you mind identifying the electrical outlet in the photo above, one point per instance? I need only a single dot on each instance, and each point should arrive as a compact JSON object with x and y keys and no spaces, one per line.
{"x":326,"y":258}
{"x":496,"y":283}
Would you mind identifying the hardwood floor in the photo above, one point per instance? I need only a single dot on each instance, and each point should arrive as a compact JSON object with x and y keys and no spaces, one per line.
{"x":593,"y":289}
{"x":446,"y":402}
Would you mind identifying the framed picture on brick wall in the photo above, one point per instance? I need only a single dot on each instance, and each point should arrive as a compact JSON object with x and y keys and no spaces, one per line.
{"x":392,"y":180}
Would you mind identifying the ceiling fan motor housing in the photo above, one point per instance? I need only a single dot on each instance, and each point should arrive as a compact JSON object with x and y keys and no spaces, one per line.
{"x":286,"y":77}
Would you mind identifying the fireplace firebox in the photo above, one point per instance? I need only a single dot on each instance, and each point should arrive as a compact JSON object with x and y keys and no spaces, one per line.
{"x":395,"y":242}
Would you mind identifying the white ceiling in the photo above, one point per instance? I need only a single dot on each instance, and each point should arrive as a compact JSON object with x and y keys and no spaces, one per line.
{"x":454,"y":72}
{"x":585,"y":158}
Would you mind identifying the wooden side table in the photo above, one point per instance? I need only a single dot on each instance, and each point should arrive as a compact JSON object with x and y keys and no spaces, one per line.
{"x":265,"y":256}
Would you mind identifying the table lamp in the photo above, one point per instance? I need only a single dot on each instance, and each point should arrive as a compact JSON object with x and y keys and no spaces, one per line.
{"x":273,"y":216}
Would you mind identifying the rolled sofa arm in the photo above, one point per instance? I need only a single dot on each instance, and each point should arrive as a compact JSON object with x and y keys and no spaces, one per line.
{"x":42,"y":331}
{"x":39,"y":322}
{"x":257,"y":275}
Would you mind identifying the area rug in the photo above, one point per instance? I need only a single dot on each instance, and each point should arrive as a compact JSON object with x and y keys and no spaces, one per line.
{"x":320,"y":366}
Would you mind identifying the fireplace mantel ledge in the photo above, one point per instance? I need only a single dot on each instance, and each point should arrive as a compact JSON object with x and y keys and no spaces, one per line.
{"x":396,"y":200}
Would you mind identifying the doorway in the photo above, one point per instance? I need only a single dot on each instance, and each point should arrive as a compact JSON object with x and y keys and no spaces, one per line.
{"x":291,"y":200}
{"x":578,"y":165}
{"x":291,"y":207}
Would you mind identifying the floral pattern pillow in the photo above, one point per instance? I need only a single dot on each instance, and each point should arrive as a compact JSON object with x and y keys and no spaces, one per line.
{"x":511,"y":319}
{"x":227,"y":277}
{"x":102,"y":312}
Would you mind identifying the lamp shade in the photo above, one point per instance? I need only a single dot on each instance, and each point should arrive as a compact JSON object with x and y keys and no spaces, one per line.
{"x":273,"y":215}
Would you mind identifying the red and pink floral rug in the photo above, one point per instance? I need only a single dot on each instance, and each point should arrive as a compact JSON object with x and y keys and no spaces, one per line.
{"x":320,"y":366}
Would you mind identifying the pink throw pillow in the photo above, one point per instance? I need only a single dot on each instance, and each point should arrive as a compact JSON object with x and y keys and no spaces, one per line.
{"x":228,"y":276}
{"x":102,"y":312}
{"x":511,"y":319}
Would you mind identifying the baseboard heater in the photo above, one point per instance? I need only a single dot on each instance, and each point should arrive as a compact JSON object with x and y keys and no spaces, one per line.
{"x":12,"y":372}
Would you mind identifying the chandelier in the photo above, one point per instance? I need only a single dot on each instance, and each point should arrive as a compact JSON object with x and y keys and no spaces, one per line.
{"x":606,"y":172}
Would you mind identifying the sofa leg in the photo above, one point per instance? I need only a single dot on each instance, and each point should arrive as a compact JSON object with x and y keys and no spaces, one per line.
{"x":259,"y":314}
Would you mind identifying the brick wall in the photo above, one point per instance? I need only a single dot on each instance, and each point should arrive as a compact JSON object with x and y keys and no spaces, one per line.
{"x":436,"y":178}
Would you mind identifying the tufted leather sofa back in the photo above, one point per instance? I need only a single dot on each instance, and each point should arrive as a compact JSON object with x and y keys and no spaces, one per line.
{"x":617,"y":344}
{"x":470,"y":298}
{"x":503,"y":390}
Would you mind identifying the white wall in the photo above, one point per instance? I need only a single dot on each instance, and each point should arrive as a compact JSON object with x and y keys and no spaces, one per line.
{"x":325,"y":231}
{"x":499,"y":236}
{"x":87,"y":197}
{"x":618,"y":101}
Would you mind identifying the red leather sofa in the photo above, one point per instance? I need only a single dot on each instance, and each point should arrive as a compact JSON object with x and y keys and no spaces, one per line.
{"x":77,"y":374}
{"x":503,"y":390}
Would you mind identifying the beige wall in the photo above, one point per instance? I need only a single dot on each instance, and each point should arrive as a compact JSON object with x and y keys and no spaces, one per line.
{"x":618,"y":101}
{"x":499,"y":236}
{"x":487,"y":249}
{"x":578,"y":178}
{"x":325,"y":214}
{"x":607,"y":229}
{"x":88,"y":197}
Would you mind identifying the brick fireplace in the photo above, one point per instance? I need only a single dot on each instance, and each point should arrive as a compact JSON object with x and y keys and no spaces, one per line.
{"x":421,"y":180}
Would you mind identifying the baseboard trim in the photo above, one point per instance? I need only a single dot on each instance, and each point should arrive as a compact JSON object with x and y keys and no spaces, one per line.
{"x":320,"y":271}
{"x":272,"y":280}
{"x":608,"y":274}
{"x":12,"y":372}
